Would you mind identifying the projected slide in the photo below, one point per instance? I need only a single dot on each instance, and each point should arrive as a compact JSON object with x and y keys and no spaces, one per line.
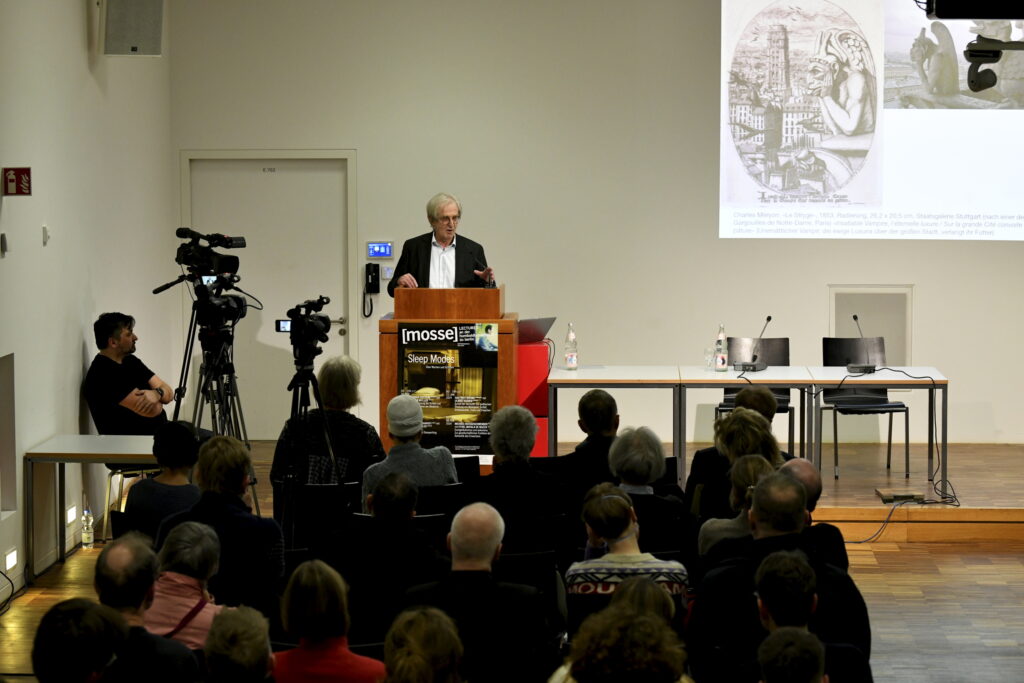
{"x":853,"y":120}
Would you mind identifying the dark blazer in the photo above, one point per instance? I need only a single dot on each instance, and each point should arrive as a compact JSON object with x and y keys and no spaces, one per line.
{"x":415,"y":259}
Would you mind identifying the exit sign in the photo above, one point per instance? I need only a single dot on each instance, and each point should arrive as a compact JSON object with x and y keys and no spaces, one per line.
{"x":17,"y":181}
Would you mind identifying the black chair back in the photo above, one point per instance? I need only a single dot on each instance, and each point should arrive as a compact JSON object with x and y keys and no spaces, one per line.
{"x":842,"y":351}
{"x":444,"y":500}
{"x":772,"y":350}
{"x":467,"y":467}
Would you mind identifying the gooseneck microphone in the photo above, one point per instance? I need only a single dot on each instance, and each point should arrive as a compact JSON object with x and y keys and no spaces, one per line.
{"x":755,"y":364}
{"x":860,"y":368}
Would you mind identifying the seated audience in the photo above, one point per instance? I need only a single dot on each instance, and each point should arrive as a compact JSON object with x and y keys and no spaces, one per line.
{"x":787,"y":597}
{"x":762,"y":400}
{"x":124,"y":576}
{"x":182,"y":607}
{"x":825,"y":540}
{"x":744,"y":475}
{"x":76,"y":641}
{"x":422,"y":646}
{"x":150,"y":501}
{"x":526,"y":499}
{"x":251,"y":563}
{"x":612,"y":527}
{"x":425,"y":466}
{"x":790,"y":655}
{"x":302,"y":457}
{"x":638,"y":460}
{"x":724,"y":625}
{"x":643,"y":596}
{"x":383,"y":556}
{"x":618,"y":644}
{"x":315,"y":610}
{"x":238,"y":647}
{"x":502,"y":625}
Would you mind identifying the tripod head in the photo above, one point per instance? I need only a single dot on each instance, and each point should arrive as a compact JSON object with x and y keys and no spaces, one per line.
{"x":309,"y":328}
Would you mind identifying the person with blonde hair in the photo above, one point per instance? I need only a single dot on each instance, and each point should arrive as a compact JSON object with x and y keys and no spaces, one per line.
{"x":315,"y":609}
{"x":422,"y":646}
{"x":238,"y":647}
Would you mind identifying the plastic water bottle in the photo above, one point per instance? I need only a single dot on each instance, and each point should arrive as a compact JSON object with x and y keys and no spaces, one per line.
{"x":572,"y":361}
{"x":88,"y":536}
{"x":721,"y":351}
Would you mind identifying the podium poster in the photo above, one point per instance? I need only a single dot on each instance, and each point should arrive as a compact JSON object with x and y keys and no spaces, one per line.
{"x":452,"y":370}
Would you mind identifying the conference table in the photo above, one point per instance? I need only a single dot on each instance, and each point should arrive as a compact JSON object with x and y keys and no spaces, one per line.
{"x":809,"y":381}
{"x":82,"y":449}
{"x":913,"y":377}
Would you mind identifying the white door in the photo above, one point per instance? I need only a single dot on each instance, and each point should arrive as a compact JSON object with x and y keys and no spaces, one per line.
{"x":293,"y":215}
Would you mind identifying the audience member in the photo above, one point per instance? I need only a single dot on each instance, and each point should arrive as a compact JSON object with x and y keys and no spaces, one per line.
{"x":422,"y":646}
{"x":238,"y":647}
{"x":76,"y":641}
{"x":251,"y":563}
{"x":301,"y":456}
{"x":763,"y":400}
{"x":744,"y":475}
{"x":526,"y":499}
{"x":425,"y":466}
{"x":790,"y":655}
{"x":182,"y":607}
{"x":502,"y":625}
{"x":124,"y":396}
{"x":150,"y":501}
{"x":315,"y":610}
{"x":787,"y":597}
{"x":825,"y":540}
{"x":636,"y":457}
{"x":124,"y":576}
{"x":612,"y":527}
{"x":587,"y":465}
{"x":618,"y":644}
{"x":724,"y":624}
{"x":643,"y":596}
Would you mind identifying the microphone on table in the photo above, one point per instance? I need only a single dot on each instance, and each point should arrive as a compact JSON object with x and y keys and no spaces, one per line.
{"x":860,"y":368}
{"x":755,"y":364}
{"x":480,"y":266}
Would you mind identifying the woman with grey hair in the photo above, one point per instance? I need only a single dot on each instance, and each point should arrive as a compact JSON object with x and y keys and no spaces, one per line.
{"x":182,"y":607}
{"x":526,"y":499}
{"x":301,"y":456}
{"x":637,"y":458}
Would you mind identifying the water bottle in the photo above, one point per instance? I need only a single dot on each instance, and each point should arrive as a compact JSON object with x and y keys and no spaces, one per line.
{"x":88,"y":535}
{"x":721,"y":351}
{"x":572,"y":361}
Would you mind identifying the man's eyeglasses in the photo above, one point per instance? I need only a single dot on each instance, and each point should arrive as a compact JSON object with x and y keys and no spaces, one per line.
{"x":449,"y":219}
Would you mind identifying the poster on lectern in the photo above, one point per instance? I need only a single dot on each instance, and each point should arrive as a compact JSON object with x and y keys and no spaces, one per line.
{"x":452,"y":370}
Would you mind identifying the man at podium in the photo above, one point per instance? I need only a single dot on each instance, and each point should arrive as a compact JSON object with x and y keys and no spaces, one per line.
{"x":439,"y":260}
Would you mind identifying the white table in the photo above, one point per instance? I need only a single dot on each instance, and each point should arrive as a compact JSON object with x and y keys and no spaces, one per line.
{"x":914,"y":377}
{"x":86,"y":449}
{"x":778,"y":376}
{"x":619,"y":377}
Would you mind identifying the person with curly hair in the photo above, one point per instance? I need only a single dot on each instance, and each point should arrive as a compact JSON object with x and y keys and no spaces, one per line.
{"x":422,"y":646}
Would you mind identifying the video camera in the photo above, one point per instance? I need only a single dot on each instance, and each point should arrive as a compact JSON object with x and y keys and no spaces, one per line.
{"x":211,"y":273}
{"x":308,"y":328}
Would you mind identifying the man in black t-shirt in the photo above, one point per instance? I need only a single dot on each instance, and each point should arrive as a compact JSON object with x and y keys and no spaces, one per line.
{"x":124,"y":396}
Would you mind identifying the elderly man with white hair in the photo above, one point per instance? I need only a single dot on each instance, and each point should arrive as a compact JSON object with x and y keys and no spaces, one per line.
{"x":502,"y":625}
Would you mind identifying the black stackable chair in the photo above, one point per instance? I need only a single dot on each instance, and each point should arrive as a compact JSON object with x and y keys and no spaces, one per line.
{"x":772,"y":350}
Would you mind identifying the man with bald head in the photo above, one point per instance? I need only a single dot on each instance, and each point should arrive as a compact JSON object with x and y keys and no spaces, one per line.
{"x":125,"y":573}
{"x":825,"y":541}
{"x":502,"y":625}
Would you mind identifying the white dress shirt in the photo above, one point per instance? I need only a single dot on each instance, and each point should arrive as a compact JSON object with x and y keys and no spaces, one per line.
{"x":442,"y":265}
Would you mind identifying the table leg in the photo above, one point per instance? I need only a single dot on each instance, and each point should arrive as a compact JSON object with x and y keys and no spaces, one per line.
{"x":816,"y":421}
{"x":30,"y":524}
{"x":803,"y":423}
{"x":61,"y":526}
{"x":679,"y":432}
{"x":931,"y":431}
{"x":552,"y":420}
{"x":945,"y":443}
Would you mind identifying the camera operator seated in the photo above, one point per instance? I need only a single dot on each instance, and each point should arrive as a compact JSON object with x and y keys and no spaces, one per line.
{"x":302,"y":447}
{"x":124,"y":396}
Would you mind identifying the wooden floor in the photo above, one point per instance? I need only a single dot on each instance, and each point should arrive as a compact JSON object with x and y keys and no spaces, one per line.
{"x":940,"y":612}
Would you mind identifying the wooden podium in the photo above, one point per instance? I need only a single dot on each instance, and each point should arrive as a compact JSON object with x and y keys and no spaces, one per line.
{"x":447,"y":306}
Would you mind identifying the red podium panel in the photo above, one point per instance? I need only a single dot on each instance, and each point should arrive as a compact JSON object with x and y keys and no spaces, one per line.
{"x":532,"y":381}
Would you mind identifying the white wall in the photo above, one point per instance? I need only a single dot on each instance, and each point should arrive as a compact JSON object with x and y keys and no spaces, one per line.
{"x":582,"y":137}
{"x":95,"y":132}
